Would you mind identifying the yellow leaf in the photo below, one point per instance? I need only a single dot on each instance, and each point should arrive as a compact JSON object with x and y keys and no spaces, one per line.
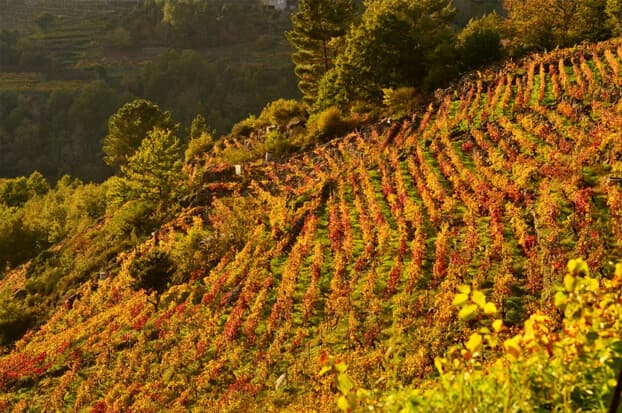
{"x":512,"y":347}
{"x":479,"y":298}
{"x":341,"y":367}
{"x":468,"y":312}
{"x":569,"y":282}
{"x":344,"y":383}
{"x":464,"y":289}
{"x":560,"y":299}
{"x":460,"y":300}
{"x":490,"y":308}
{"x":438,"y":363}
{"x":497,"y":325}
{"x":474,"y":343}
{"x":343,"y":404}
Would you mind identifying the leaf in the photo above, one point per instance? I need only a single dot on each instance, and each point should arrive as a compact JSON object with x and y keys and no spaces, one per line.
{"x":468,"y":312}
{"x":512,"y":347}
{"x":490,"y":308}
{"x":460,"y":300}
{"x":325,"y":370}
{"x":497,"y":325}
{"x":344,"y":383}
{"x":560,"y":299}
{"x":343,"y":404}
{"x":438,"y":363}
{"x":474,"y":343}
{"x":569,"y":282}
{"x":341,"y":367}
{"x":464,"y":289}
{"x":479,"y":298}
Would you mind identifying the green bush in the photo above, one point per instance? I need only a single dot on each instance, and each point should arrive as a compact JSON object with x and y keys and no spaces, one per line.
{"x":152,"y":271}
{"x":401,"y":101}
{"x":282,"y":111}
{"x":479,"y":42}
{"x":199,"y":145}
{"x":328,"y":124}
{"x":277,"y":143}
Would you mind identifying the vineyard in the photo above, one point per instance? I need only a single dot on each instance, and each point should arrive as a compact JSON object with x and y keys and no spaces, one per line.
{"x":355,"y":249}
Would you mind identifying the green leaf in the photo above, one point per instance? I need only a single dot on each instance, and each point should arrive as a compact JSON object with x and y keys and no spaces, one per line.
{"x":468,"y":312}
{"x":344,"y":383}
{"x":460,"y":300}
{"x":479,"y":298}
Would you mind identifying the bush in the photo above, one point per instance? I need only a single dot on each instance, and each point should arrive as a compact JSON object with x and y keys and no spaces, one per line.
{"x":328,"y":124}
{"x":244,"y":128}
{"x":479,"y":42}
{"x":152,"y":272}
{"x":282,"y":111}
{"x":277,"y":143}
{"x":402,"y":101}
{"x":199,"y":145}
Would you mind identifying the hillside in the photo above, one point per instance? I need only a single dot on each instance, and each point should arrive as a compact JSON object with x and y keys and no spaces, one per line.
{"x":354,"y":249}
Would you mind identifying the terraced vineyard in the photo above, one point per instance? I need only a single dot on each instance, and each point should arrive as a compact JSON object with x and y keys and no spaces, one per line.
{"x":77,"y":27}
{"x":354,"y":249}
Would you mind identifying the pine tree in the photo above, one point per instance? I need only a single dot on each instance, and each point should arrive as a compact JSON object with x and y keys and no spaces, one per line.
{"x":129,"y":126}
{"x":317,"y":27}
{"x":398,"y":43}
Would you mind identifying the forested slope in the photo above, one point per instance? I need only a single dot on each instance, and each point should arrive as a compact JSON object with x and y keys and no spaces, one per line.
{"x":355,"y":249}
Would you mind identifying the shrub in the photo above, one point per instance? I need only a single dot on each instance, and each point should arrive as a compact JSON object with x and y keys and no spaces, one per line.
{"x":479,"y":42}
{"x":152,"y":272}
{"x":328,"y":124}
{"x":199,"y":145}
{"x":282,"y":111}
{"x":401,"y":101}
{"x":245,"y":127}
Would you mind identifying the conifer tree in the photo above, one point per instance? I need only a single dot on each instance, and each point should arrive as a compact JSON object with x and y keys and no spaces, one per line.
{"x":398,"y":43}
{"x":317,"y":27}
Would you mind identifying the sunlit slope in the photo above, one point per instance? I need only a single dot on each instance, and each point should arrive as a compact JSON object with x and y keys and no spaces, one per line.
{"x":354,"y":249}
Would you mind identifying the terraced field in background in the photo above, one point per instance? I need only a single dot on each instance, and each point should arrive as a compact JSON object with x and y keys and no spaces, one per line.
{"x":76,"y":27}
{"x":353,"y":249}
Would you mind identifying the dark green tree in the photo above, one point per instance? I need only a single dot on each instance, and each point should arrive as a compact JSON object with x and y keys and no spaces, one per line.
{"x":614,"y":15}
{"x":152,"y":272}
{"x":317,"y":27}
{"x":398,"y":43}
{"x":129,"y":126}
{"x":546,"y":24}
{"x":479,"y":42}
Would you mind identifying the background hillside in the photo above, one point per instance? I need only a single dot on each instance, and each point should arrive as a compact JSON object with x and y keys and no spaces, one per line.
{"x":354,"y":249}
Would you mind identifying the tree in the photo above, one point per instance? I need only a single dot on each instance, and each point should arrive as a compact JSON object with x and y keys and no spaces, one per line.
{"x":152,"y":272}
{"x":479,"y":42}
{"x":154,"y":170}
{"x":398,"y":43}
{"x":45,"y":21}
{"x":613,"y":10}
{"x":129,"y":126}
{"x":317,"y":27}
{"x":546,"y":24}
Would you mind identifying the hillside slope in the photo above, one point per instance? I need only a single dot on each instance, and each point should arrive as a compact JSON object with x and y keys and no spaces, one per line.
{"x":354,"y":249}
